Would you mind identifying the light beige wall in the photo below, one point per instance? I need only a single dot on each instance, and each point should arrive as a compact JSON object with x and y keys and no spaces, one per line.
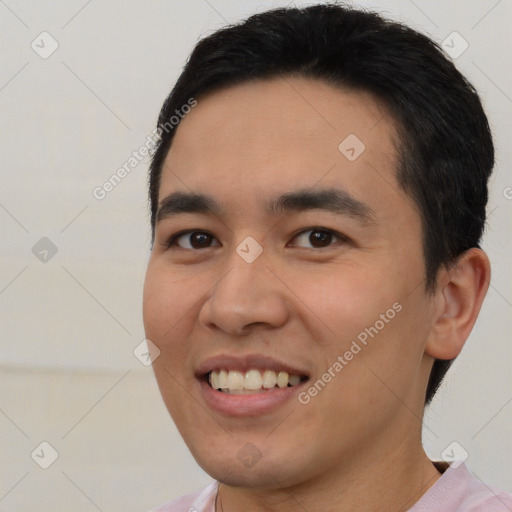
{"x":69,"y":325}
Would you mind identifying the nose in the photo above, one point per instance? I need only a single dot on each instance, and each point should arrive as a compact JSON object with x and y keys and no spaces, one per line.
{"x":249,"y":296}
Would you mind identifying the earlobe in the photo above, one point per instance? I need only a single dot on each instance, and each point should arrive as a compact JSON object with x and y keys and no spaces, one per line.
{"x":461,"y":289}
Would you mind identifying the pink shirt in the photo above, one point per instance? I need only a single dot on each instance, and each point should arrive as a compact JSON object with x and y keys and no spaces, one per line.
{"x":456,"y":491}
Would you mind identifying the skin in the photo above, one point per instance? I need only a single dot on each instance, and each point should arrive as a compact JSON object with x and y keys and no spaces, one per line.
{"x":357,"y":444}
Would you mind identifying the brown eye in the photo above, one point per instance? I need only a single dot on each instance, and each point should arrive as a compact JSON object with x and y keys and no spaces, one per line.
{"x":318,"y":238}
{"x":193,"y":240}
{"x":199,"y":240}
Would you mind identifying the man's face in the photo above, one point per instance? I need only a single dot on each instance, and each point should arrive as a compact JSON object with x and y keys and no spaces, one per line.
{"x":336,"y":297}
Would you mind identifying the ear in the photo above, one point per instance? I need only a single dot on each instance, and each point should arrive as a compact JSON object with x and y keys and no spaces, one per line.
{"x":461,"y":289}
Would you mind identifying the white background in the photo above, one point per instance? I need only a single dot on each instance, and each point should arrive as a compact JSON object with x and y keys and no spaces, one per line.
{"x":69,"y":326}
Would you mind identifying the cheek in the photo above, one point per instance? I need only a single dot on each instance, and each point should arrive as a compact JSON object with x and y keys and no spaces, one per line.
{"x":341,"y":302}
{"x":369,"y":319}
{"x":168,"y":309}
{"x":168,"y":302}
{"x":384,"y":371}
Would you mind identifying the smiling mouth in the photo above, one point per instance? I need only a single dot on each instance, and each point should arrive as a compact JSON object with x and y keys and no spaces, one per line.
{"x":251,"y":382}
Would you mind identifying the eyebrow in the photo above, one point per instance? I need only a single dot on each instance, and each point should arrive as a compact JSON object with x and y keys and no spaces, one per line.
{"x":334,"y":200}
{"x":186,"y":202}
{"x":330,"y":199}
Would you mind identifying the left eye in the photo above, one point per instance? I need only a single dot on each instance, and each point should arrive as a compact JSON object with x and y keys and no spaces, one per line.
{"x":193,"y":240}
{"x":319,"y":238}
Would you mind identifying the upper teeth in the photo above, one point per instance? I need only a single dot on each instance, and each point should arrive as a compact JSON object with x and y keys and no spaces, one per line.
{"x":252,"y":379}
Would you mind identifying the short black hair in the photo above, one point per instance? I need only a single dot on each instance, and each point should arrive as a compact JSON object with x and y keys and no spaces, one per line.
{"x":445,"y":148}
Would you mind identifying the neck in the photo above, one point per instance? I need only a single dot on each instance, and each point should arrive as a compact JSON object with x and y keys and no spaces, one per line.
{"x":393,"y":481}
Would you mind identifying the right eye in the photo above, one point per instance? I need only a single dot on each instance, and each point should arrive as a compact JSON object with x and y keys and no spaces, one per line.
{"x":191,"y":240}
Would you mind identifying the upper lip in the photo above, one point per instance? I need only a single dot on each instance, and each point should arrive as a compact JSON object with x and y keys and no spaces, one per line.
{"x":248,"y":362}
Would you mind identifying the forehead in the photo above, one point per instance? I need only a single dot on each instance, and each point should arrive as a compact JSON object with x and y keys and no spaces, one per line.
{"x":283,"y":134}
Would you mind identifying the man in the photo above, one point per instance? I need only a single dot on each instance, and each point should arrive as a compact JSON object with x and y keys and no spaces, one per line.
{"x":317,"y":209}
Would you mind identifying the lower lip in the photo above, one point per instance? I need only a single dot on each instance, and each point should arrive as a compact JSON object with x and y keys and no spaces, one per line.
{"x":250,"y":404}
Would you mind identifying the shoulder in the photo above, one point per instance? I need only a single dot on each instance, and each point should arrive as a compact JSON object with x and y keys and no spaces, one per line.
{"x":199,"y":501}
{"x":485,"y":498}
{"x":459,"y":491}
{"x":480,"y":497}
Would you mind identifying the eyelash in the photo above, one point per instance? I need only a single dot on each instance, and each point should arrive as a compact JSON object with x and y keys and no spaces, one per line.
{"x":171,"y":242}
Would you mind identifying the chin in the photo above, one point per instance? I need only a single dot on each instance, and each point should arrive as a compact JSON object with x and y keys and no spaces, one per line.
{"x":248,"y":466}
